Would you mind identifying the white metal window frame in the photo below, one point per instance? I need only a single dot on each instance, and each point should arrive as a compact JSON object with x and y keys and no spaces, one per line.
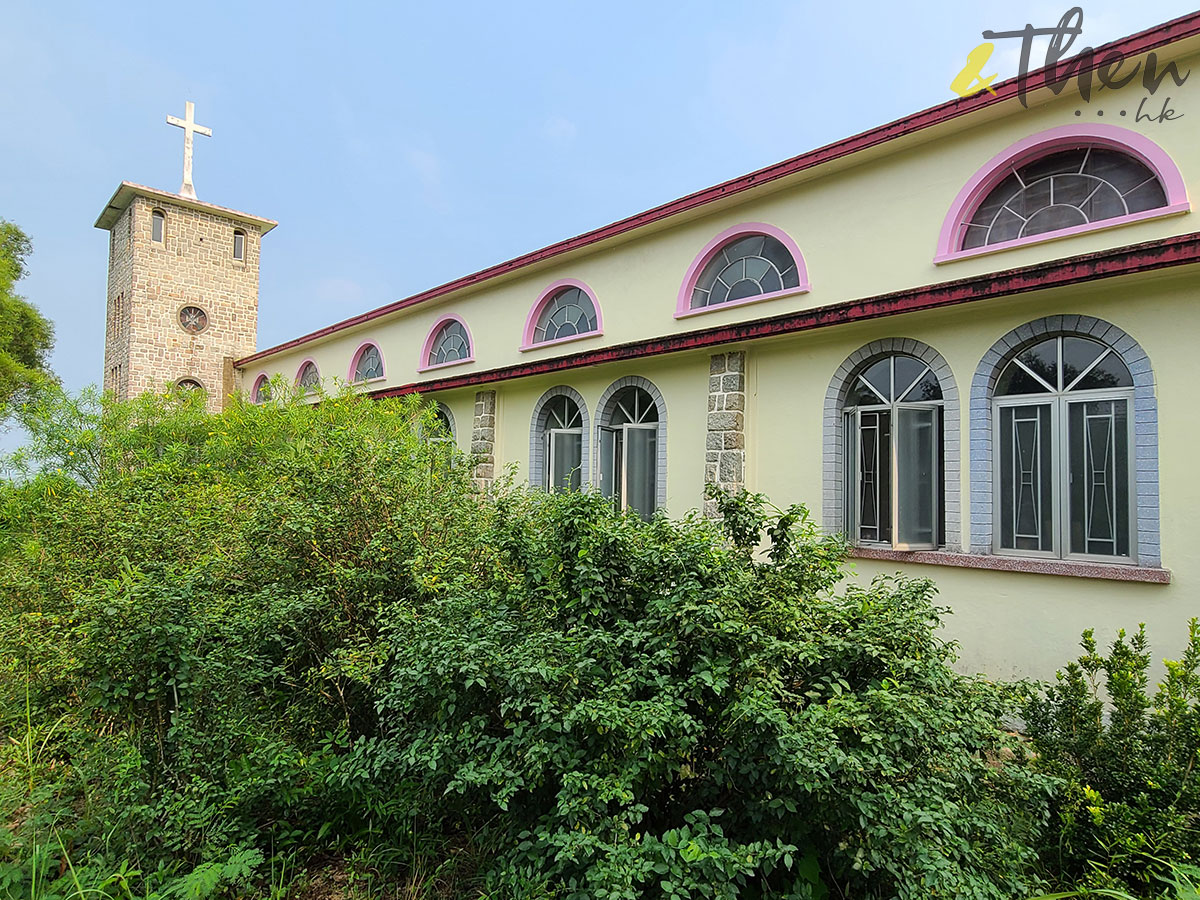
{"x":621,"y":490}
{"x":852,"y":425}
{"x":1060,"y":464}
{"x":550,"y":443}
{"x":854,"y":474}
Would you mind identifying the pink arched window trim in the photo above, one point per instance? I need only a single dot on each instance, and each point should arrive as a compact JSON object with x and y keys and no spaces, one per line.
{"x":683,"y":303}
{"x":362,"y":348}
{"x":258,"y":383}
{"x":531,"y":320}
{"x":1044,"y":143}
{"x":423,"y":362}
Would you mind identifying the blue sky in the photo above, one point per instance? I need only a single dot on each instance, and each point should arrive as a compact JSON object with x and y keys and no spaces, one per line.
{"x":401,"y":145}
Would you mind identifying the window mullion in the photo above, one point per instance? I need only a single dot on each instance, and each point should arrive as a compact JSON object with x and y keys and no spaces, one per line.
{"x":894,"y":453}
{"x":1061,"y":463}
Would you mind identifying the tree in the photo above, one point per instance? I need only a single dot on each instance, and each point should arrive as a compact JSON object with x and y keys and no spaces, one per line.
{"x":26,"y":336}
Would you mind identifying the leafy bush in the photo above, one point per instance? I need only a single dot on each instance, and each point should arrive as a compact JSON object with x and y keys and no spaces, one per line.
{"x":195,"y":600}
{"x":641,"y":711}
{"x":1130,"y":806}
{"x":296,"y":631}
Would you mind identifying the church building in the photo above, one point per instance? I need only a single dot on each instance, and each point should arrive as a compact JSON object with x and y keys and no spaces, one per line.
{"x":966,"y":339}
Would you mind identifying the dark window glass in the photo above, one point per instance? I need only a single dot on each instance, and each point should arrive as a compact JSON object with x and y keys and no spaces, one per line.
{"x":369,"y":365}
{"x":894,"y":454}
{"x":1063,"y":190}
{"x":745,"y":267}
{"x":571,"y":312}
{"x":450,"y":344}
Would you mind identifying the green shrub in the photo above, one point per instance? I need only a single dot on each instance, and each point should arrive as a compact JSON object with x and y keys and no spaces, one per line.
{"x":296,"y":632}
{"x":639,"y":711}
{"x":1131,"y":802}
{"x":196,"y":600}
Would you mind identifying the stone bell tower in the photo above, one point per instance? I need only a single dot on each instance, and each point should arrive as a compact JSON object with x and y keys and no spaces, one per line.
{"x":182,"y":287}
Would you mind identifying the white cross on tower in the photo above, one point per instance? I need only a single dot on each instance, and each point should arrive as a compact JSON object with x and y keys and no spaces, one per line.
{"x":189,"y":126}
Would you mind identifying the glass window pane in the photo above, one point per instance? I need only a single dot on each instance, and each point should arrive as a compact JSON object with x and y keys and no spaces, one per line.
{"x":1110,"y":372}
{"x":608,"y":462}
{"x":991,"y":204}
{"x":1042,"y":360}
{"x":879,"y":375}
{"x":1061,"y":190}
{"x":1015,"y":380}
{"x":1026,"y":478}
{"x":566,"y":458}
{"x":1005,"y":227}
{"x":850,"y":474}
{"x":1148,"y":195}
{"x":1053,"y":218}
{"x":1121,"y":171}
{"x":1078,"y":353}
{"x":1098,"y":495}
{"x":874,"y":477}
{"x":924,"y":390}
{"x":907,"y":370}
{"x":641,"y":476}
{"x":1104,"y":203}
{"x":861,"y":394}
{"x":746,"y":267}
{"x":1053,"y":164}
{"x":916,"y":476}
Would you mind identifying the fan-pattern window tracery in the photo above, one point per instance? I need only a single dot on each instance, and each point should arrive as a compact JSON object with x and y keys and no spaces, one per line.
{"x":309,"y":378}
{"x":569,"y":313}
{"x":747,"y":266}
{"x":1063,"y":190}
{"x":450,"y":344}
{"x":369,"y":364}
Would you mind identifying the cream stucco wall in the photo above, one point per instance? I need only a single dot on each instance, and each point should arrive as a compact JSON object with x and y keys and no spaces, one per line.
{"x":1010,"y":624}
{"x":866,"y":225}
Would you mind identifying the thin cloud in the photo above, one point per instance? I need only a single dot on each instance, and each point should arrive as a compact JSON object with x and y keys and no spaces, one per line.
{"x":559,"y":130}
{"x":342,"y":291}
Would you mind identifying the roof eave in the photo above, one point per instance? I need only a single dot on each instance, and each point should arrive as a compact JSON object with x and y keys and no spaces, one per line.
{"x":128,"y":190}
{"x":1175,"y":31}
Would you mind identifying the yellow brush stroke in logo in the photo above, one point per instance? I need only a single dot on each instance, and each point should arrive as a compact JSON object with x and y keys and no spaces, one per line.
{"x":971,"y":79}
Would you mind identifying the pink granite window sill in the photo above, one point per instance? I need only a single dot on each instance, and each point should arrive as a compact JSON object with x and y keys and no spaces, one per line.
{"x":1018,"y":564}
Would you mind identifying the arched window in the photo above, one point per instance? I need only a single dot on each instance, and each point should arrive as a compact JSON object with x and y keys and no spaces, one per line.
{"x":632,"y":437}
{"x":448,"y":343}
{"x":744,"y":264}
{"x":566,"y":310}
{"x":189,"y":384}
{"x":1063,"y":426}
{"x":895,"y":444}
{"x":1067,"y":180}
{"x":262,"y":389}
{"x":239,"y":244}
{"x":158,"y":226}
{"x":856,"y":414}
{"x":366,"y":364}
{"x":445,"y":422}
{"x":309,"y":377}
{"x":558,"y":440}
{"x":1063,"y":190}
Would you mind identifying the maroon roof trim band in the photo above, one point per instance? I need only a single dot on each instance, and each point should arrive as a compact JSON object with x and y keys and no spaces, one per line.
{"x":1174,"y":251}
{"x":1142,"y":42}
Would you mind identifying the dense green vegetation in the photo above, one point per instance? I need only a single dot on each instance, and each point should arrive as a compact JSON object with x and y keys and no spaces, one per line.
{"x":25,"y":335}
{"x":290,"y":652}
